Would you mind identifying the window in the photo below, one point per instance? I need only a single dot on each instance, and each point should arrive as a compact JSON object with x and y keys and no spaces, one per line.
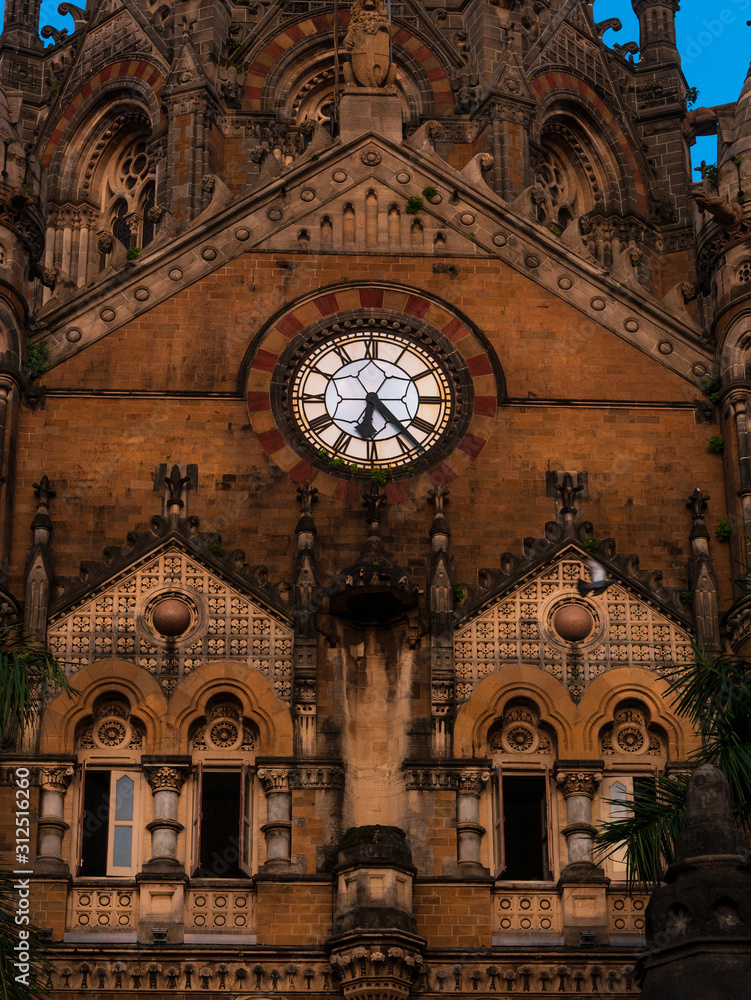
{"x":109,"y":823}
{"x":222,"y":823}
{"x":617,"y":795}
{"x":521,"y":826}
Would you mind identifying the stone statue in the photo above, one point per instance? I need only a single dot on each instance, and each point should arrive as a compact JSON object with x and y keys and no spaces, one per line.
{"x":368,"y":43}
{"x":729,"y":214}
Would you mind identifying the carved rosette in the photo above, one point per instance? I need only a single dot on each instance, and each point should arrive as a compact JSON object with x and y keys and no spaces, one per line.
{"x":578,"y":782}
{"x":380,"y":973}
{"x":167,"y":779}
{"x":520,"y":732}
{"x":56,"y":779}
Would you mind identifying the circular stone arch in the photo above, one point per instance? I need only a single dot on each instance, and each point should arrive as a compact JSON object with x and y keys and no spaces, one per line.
{"x":400,"y":303}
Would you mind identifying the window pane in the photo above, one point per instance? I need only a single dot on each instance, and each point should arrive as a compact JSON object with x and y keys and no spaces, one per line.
{"x":123,"y":847}
{"x":124,"y":799}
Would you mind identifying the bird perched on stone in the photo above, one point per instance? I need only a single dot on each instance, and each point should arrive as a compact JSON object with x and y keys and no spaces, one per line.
{"x":599,"y":583}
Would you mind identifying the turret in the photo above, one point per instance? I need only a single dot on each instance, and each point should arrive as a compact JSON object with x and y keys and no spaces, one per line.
{"x":657,"y":30}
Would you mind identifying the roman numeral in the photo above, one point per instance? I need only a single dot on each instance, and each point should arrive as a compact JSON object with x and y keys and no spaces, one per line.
{"x":321,"y":422}
{"x":371,"y":349}
{"x":316,"y":397}
{"x":422,"y":425}
{"x":372,"y":451}
{"x":431,"y":399}
{"x":342,"y":352}
{"x":342,"y":442}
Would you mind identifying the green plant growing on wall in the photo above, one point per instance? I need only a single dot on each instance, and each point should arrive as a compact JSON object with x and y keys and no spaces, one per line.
{"x":711,"y":386}
{"x":337,"y":463}
{"x":712,"y":173}
{"x":379,"y":477}
{"x":692,"y":96}
{"x":458,"y":594}
{"x":429,"y":191}
{"x":132,"y":253}
{"x":36,"y":358}
{"x":217,"y":549}
{"x":723,"y":529}
{"x":687,"y":598}
{"x":717,"y":443}
{"x":414,"y":204}
{"x":592,"y":545}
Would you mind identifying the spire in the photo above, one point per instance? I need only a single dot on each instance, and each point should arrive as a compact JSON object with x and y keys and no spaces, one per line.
{"x":657,"y":41}
{"x":702,"y":576}
{"x":39,"y":563}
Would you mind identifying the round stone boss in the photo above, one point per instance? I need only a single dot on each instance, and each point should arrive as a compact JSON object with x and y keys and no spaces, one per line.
{"x":360,"y":378}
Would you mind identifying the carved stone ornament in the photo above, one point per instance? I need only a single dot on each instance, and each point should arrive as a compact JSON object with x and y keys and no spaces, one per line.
{"x":578,"y":782}
{"x":386,"y":973}
{"x":275,"y":779}
{"x":167,"y":779}
{"x":471,"y":782}
{"x":367,"y":40}
{"x":629,"y":734}
{"x":520,"y":733}
{"x":56,"y":779}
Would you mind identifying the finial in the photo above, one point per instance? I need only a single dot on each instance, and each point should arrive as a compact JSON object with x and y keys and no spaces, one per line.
{"x":43,"y":492}
{"x":306,"y":529}
{"x":175,"y":484}
{"x":438,"y":497}
{"x":439,"y":529}
{"x":696,"y":503}
{"x":374,"y":501}
{"x":568,"y":494}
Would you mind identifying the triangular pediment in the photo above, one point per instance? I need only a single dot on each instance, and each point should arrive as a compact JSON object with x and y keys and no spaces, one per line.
{"x":522,"y":623}
{"x":471,"y":218}
{"x":210,"y":616}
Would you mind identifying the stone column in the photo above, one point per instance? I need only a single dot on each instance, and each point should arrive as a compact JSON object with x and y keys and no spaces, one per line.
{"x":469,"y":830}
{"x":53,"y":783}
{"x":278,"y":826}
{"x":582,"y":885}
{"x":166,"y":783}
{"x":578,"y":789}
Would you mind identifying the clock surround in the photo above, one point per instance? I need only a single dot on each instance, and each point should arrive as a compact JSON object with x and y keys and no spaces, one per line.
{"x":311,"y":315}
{"x":368,"y":392}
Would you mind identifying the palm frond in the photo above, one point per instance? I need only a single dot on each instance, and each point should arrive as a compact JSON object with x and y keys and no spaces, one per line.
{"x":649,"y":833}
{"x":10,"y":987}
{"x":27,"y":674}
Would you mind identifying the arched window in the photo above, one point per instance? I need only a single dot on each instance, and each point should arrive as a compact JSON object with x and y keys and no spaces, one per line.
{"x":120,"y":228}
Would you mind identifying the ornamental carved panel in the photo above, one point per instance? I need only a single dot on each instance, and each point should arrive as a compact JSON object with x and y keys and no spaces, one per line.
{"x":620,"y":629}
{"x":169,"y":615}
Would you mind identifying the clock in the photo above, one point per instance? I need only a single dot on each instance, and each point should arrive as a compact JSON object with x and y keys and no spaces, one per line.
{"x":364,"y":396}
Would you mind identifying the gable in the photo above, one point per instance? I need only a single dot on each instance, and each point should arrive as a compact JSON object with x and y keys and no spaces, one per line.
{"x":520,"y":626}
{"x":117,"y":622}
{"x":465,"y":207}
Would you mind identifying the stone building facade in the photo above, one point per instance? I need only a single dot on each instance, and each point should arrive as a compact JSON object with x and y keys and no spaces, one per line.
{"x":333,"y":348}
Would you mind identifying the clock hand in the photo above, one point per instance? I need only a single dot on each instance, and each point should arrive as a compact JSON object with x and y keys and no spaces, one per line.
{"x":386,"y":412}
{"x":365,"y":428}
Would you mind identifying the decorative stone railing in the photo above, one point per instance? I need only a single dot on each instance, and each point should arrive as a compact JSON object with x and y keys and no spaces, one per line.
{"x":99,"y":909}
{"x":225,"y":909}
{"x":626,"y":912}
{"x":532,"y":911}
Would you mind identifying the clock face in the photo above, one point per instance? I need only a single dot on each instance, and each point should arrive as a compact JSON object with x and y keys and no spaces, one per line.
{"x":373,"y":399}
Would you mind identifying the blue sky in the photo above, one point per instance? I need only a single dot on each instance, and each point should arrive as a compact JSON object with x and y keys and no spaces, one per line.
{"x":714,"y":41}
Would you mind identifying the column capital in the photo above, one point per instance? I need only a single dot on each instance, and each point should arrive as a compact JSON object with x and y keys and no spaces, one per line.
{"x":275,"y":779}
{"x":470,"y":782}
{"x":56,"y":779}
{"x":578,"y":782}
{"x":166,"y":779}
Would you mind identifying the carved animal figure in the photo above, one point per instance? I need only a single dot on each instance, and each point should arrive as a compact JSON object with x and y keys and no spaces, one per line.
{"x":368,"y":42}
{"x":320,"y":139}
{"x":700,"y":121}
{"x":728,"y":213}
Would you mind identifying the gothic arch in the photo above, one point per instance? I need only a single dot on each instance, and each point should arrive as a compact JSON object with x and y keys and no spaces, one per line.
{"x":606,"y":692}
{"x":254,"y":692}
{"x":486,"y":707}
{"x":63,"y":715}
{"x":411,"y":54}
{"x":586,"y":139}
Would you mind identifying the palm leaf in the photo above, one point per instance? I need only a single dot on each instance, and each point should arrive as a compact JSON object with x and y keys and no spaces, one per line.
{"x":649,"y":833}
{"x":28,"y":673}
{"x":10,"y":988}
